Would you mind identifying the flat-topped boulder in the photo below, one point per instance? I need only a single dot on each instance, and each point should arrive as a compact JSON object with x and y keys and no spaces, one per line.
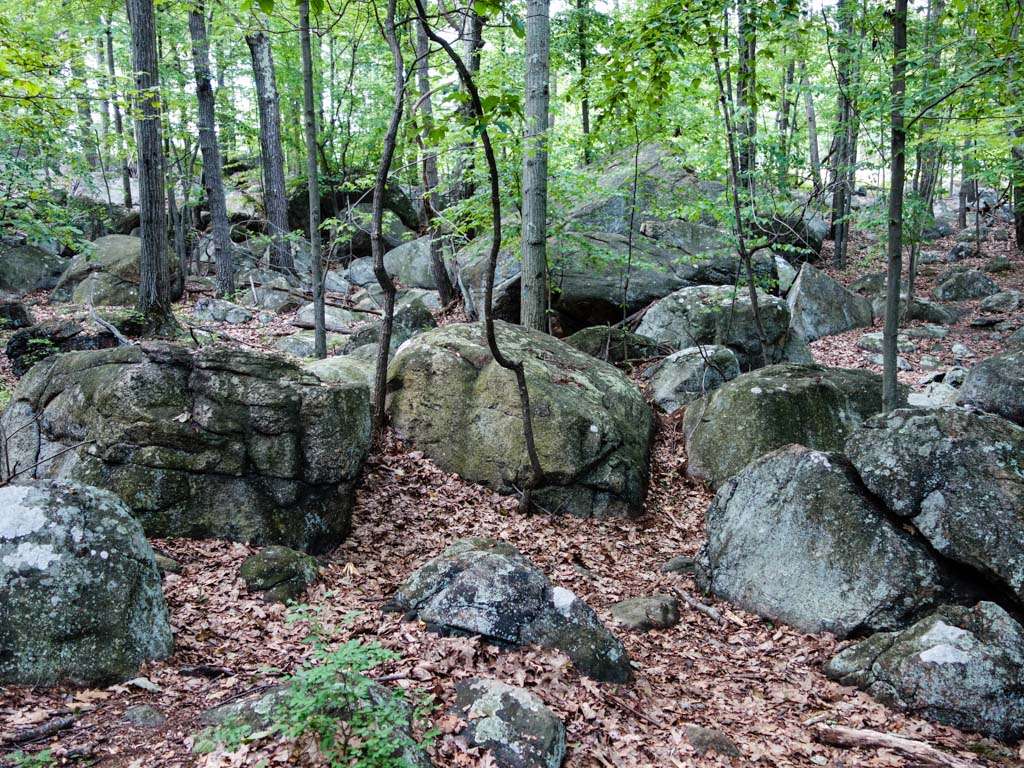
{"x":795,"y":538}
{"x":592,"y":427}
{"x":959,"y":666}
{"x":964,"y":284}
{"x":25,"y":268}
{"x":80,"y":593}
{"x":219,"y":442}
{"x":760,"y":411}
{"x":723,"y":315}
{"x":487,"y":588}
{"x":105,"y":274}
{"x":958,"y":478}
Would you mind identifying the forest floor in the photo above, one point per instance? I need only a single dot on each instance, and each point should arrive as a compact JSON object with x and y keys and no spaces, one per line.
{"x":759,"y":684}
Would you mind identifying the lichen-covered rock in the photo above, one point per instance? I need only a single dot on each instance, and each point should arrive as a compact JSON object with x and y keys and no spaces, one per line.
{"x":996,"y":385}
{"x":13,"y":313}
{"x":209,"y":309}
{"x":960,"y":666}
{"x":512,"y":724}
{"x":760,"y":411}
{"x":28,"y":346}
{"x":794,"y":538}
{"x":485,"y":587}
{"x":336,"y":319}
{"x":819,"y":306}
{"x":958,"y":476}
{"x":592,"y":427}
{"x":614,"y":345}
{"x":107,"y":273}
{"x":708,"y":314}
{"x":963,"y":284}
{"x":685,"y":376}
{"x":80,"y":594}
{"x":1004,"y":301}
{"x":644,"y":613}
{"x":410,"y":264}
{"x":342,"y":368}
{"x":219,"y":442}
{"x":280,"y":573}
{"x":26,"y":268}
{"x":303,"y":343}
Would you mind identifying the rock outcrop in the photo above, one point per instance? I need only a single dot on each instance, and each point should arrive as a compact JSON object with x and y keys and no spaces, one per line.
{"x":819,"y":306}
{"x":219,"y":442}
{"x":592,"y":427}
{"x":996,"y":385}
{"x":26,"y":268}
{"x":80,"y":593}
{"x":760,"y":411}
{"x":485,"y":587}
{"x":107,"y":274}
{"x":689,"y":374}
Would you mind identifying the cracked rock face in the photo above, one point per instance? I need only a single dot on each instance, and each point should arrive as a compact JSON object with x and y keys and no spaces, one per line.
{"x":592,"y":426}
{"x":511,"y":723}
{"x":485,"y":587}
{"x":80,"y":593}
{"x":794,"y":537}
{"x":958,"y":476}
{"x":959,"y":666}
{"x":218,"y":442}
{"x":760,"y":411}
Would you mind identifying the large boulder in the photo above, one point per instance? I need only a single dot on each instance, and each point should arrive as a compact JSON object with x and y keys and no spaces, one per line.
{"x":592,"y":428}
{"x":220,"y":442}
{"x":28,"y":346}
{"x":26,"y":268}
{"x":106,"y":274}
{"x":819,"y":306}
{"x":959,"y":666}
{"x":963,"y":284}
{"x":795,"y":538}
{"x":13,"y":313}
{"x":688,"y":374}
{"x":511,"y":723}
{"x":486,"y":587}
{"x":709,"y":314}
{"x":996,"y":385}
{"x":614,"y":345}
{"x":410,"y":264}
{"x":80,"y":593}
{"x":958,"y":477}
{"x":766,"y":409}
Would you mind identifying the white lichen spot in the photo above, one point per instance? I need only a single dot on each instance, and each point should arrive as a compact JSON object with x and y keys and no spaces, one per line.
{"x":944,"y":654}
{"x":593,"y":428}
{"x":756,"y":390}
{"x":943,"y":633}
{"x":30,"y":555}
{"x":104,"y":555}
{"x":19,"y":519}
{"x":563,"y":600}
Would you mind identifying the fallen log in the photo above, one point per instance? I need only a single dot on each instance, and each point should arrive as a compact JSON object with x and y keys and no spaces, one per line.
{"x":841,"y":736}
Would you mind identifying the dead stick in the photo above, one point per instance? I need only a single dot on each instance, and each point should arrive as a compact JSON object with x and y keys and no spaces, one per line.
{"x":41,"y":731}
{"x":707,"y":610}
{"x":840,"y":736}
{"x":632,"y":710}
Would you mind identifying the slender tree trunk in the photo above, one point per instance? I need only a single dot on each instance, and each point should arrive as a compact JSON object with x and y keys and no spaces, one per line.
{"x":271,"y":154}
{"x":122,"y":149}
{"x":965,"y":186}
{"x":785,"y":108}
{"x":472,"y":40}
{"x":1016,"y":148}
{"x":85,"y":130}
{"x":313,"y":182}
{"x":812,"y":131}
{"x":890,"y":388}
{"x":154,"y":269}
{"x":929,"y":153}
{"x":376,"y":247}
{"x":445,"y":290}
{"x":534,"y":281}
{"x":746,"y":94}
{"x":105,"y":85}
{"x":212,"y":173}
{"x":583,"y":45}
{"x":845,"y":142}
{"x":536,"y":478}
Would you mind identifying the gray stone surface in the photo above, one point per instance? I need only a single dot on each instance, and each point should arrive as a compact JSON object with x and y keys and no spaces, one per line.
{"x":80,"y":593}
{"x":687,"y":375}
{"x":964,"y":284}
{"x":280,"y":573}
{"x":485,"y":587}
{"x":996,"y":385}
{"x":513,"y":725}
{"x":819,"y":306}
{"x":646,"y":613}
{"x":959,"y":666}
{"x":794,"y":538}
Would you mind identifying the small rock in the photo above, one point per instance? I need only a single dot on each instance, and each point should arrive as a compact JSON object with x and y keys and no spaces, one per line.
{"x":961,"y":285}
{"x":13,"y":314}
{"x":786,"y":272}
{"x":706,"y":740}
{"x":280,"y":573}
{"x":1004,"y":301}
{"x":145,"y":716}
{"x":872,"y":342}
{"x":961,"y":352}
{"x":962,"y":251}
{"x":929,"y":362}
{"x":220,"y":311}
{"x":512,"y":724}
{"x":998,"y":264}
{"x":955,"y":376}
{"x":927,"y":331}
{"x":935,"y":394}
{"x":166,"y":564}
{"x":645,"y":613}
{"x":902,"y":363}
{"x":679,"y":564}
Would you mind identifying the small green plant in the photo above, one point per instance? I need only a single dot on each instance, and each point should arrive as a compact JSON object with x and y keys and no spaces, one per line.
{"x":353,"y":721}
{"x":42,"y":759}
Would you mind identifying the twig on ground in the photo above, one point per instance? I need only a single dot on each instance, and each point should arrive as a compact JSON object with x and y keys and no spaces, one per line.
{"x":840,"y":736}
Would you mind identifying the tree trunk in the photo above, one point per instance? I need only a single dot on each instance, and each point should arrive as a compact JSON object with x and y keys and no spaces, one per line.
{"x":746,"y":94}
{"x":581,"y":42}
{"x":812,"y":131}
{"x":965,"y":186}
{"x":271,"y":155}
{"x":890,"y":388}
{"x":845,"y":142}
{"x":105,"y":86}
{"x":534,"y":281}
{"x":313,"y":183}
{"x":85,"y":130}
{"x":122,"y":149}
{"x":154,"y":269}
{"x":377,"y":217}
{"x":785,"y":108}
{"x":929,"y":153}
{"x":445,"y":290}
{"x":1016,"y":150}
{"x":212,"y":174}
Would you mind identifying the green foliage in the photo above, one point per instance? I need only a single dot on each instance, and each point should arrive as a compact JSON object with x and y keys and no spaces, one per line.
{"x":43,"y":759}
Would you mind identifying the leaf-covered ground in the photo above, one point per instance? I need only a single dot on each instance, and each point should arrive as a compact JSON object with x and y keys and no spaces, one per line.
{"x":759,"y":684}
